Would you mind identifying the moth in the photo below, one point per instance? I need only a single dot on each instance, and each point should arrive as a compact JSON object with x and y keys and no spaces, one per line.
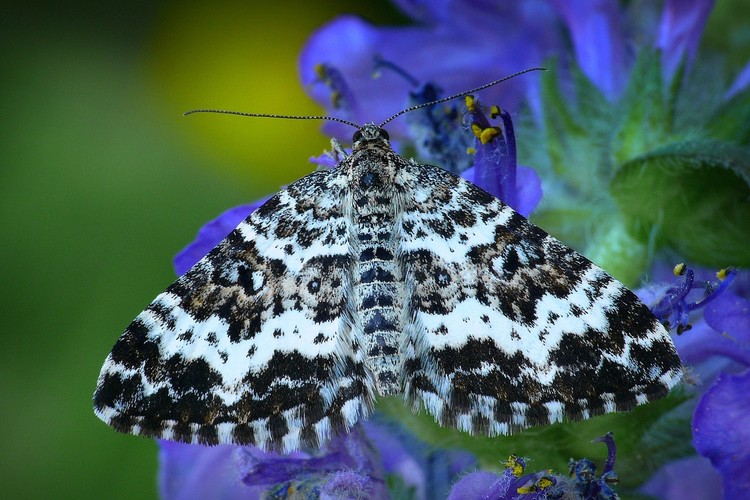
{"x":382,"y":276}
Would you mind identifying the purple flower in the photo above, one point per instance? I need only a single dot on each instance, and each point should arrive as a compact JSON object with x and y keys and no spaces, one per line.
{"x":515,"y":483}
{"x":598,"y":30}
{"x":211,"y":234}
{"x":712,"y":319}
{"x":598,"y":38}
{"x":680,"y":30}
{"x":354,"y":465}
{"x":347,"y":467}
{"x":673,"y":308}
{"x":721,"y":431}
{"x":714,"y":345}
{"x":457,"y":44}
{"x":512,"y":483}
{"x":191,"y":471}
{"x":495,"y":168}
{"x":691,"y":477}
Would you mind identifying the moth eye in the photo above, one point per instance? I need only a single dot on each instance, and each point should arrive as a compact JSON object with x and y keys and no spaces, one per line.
{"x":357,"y":136}
{"x":384,"y":135}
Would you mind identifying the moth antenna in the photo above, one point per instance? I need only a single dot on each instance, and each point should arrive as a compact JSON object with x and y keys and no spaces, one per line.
{"x":266,"y":115}
{"x":461,"y":94}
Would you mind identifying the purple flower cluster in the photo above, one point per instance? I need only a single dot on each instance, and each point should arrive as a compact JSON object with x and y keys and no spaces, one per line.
{"x":714,"y":340}
{"x":454,"y":45}
{"x":356,"y":465}
{"x":514,"y":484}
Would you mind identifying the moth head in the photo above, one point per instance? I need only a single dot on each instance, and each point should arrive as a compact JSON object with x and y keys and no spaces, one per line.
{"x":369,"y":133}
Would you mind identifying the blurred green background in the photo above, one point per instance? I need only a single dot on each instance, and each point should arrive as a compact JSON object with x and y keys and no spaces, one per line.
{"x":103,"y":181}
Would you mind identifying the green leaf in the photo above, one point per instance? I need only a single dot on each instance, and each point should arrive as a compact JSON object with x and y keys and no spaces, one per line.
{"x":553,"y":445}
{"x":731,"y":121}
{"x":599,"y":233}
{"x":615,"y":250}
{"x":646,"y":118}
{"x":593,"y":107}
{"x":398,"y":489}
{"x":693,"y":197}
{"x":574,"y":137}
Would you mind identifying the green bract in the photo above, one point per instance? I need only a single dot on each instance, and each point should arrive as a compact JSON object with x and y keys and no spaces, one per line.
{"x":663,"y":166}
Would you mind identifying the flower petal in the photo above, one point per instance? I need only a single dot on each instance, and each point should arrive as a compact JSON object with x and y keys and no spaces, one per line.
{"x":740,"y":83}
{"x":730,"y":314}
{"x":456,"y":56}
{"x":480,"y":485}
{"x":529,"y":186}
{"x":211,"y":234}
{"x":426,"y":11}
{"x":680,"y":30}
{"x":596,"y":29}
{"x":721,"y":432}
{"x":691,"y":477}
{"x":191,"y":471}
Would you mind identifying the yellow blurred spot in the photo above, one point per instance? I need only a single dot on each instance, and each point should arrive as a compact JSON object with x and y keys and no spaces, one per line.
{"x":470,"y":150}
{"x":722,"y":274}
{"x":336,"y":99}
{"x":679,"y":269}
{"x":237,"y":68}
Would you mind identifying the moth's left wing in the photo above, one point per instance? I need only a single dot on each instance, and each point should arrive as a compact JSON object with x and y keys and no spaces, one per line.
{"x":254,"y":344}
{"x":509,"y":327}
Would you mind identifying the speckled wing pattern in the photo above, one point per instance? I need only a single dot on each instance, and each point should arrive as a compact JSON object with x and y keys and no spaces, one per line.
{"x":253,"y":344}
{"x":509,"y":328}
{"x":381,"y":276}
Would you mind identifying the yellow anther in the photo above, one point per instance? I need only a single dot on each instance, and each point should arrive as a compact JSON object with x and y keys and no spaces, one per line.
{"x":515,"y":465}
{"x":679,"y":269}
{"x":722,"y":274}
{"x":523,"y":490}
{"x":469,"y":100}
{"x":488,"y":134}
{"x":494,"y":112}
{"x":477,"y":130}
{"x":546,"y":482}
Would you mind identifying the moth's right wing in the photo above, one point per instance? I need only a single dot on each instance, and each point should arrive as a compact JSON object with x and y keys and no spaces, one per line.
{"x":509,"y":327}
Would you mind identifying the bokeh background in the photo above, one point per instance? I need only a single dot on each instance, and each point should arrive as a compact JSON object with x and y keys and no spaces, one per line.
{"x":102,"y":181}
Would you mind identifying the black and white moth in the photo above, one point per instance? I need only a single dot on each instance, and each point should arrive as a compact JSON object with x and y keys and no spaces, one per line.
{"x":382,"y":276}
